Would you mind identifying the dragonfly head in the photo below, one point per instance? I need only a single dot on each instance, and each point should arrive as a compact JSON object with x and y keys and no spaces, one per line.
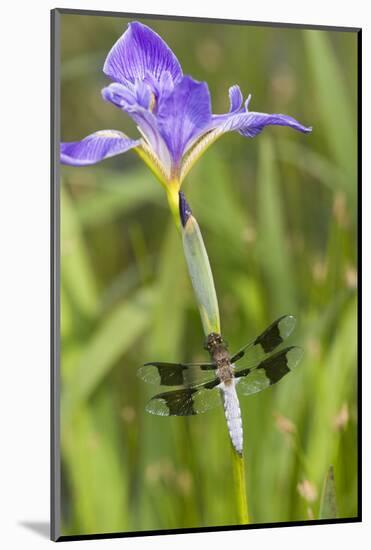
{"x":214,"y":341}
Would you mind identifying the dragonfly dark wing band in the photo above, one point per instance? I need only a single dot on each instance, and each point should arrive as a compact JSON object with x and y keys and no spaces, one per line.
{"x":268,"y":372}
{"x":186,"y":401}
{"x":174,"y":374}
{"x":268,"y":340}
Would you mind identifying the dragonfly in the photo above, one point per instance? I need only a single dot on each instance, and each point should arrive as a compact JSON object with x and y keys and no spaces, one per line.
{"x":205,"y":385}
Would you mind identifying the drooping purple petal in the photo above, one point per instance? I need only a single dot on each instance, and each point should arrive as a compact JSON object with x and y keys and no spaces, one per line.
{"x":250,"y":124}
{"x":95,"y":147}
{"x":138,"y":52}
{"x":121,"y":96}
{"x":125,"y":99}
{"x":184,"y":115}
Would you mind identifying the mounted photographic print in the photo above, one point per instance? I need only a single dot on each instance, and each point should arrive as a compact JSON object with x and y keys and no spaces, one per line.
{"x":204,"y":274}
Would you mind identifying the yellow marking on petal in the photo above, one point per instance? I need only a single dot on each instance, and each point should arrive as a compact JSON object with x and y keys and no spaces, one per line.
{"x":197,"y":150}
{"x":146,"y":153}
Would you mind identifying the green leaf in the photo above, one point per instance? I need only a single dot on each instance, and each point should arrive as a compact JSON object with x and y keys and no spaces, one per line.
{"x":338,"y":115}
{"x":98,"y":479}
{"x":328,"y":506}
{"x":77,"y":275}
{"x":213,"y":193}
{"x":333,"y":379}
{"x":315,"y":164}
{"x":171,"y":297}
{"x":110,"y":341}
{"x":272,"y":240}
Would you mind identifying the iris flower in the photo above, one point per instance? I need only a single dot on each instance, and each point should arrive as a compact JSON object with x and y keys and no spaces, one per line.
{"x":172,"y":112}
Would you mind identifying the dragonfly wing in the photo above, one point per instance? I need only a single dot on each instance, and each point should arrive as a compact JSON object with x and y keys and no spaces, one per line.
{"x":268,"y":340}
{"x":175,"y":374}
{"x":269,"y":371}
{"x":186,"y":401}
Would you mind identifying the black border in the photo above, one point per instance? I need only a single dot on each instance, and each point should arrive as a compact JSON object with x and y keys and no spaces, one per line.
{"x":69,"y":11}
{"x":55,"y":473}
{"x":55,"y":470}
{"x":304,"y":523}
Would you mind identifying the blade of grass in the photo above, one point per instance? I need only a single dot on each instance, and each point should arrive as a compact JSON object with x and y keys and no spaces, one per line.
{"x":77,"y":274}
{"x":332,"y":386}
{"x":113,"y":337}
{"x":272,"y":240}
{"x":328,"y":507}
{"x":93,"y":459}
{"x":313,"y":163}
{"x":338,"y":115}
{"x":213,"y":195}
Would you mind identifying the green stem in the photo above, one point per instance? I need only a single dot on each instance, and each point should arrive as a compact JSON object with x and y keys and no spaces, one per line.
{"x":204,"y":289}
{"x":172,"y":194}
{"x":240,"y":487}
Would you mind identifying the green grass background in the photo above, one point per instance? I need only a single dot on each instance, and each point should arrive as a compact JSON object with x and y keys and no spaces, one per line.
{"x":278,"y":216}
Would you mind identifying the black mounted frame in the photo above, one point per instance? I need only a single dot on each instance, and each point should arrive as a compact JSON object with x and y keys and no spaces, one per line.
{"x":55,"y":276}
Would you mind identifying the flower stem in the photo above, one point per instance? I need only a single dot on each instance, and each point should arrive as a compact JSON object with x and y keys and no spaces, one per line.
{"x":240,"y":487}
{"x":204,"y":289}
{"x":172,"y":193}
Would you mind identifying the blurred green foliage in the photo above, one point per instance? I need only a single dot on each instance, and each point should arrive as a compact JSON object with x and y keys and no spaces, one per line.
{"x":278,"y":216}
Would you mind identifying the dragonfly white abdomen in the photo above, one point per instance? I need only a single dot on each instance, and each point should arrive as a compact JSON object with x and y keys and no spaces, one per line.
{"x":232,"y":413}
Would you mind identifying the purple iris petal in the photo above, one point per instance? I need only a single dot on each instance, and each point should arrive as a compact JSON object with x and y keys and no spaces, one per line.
{"x":250,"y":124}
{"x":125,"y":99}
{"x":143,"y":94}
{"x":120,"y":95}
{"x":184,"y":115}
{"x":96,"y":147}
{"x":129,"y":96}
{"x":165,"y":86}
{"x":138,"y":52}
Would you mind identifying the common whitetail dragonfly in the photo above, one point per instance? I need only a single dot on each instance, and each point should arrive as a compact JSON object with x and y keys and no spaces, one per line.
{"x":203,"y":384}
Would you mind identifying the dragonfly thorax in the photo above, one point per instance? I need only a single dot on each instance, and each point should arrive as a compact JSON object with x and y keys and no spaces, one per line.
{"x":219,"y":354}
